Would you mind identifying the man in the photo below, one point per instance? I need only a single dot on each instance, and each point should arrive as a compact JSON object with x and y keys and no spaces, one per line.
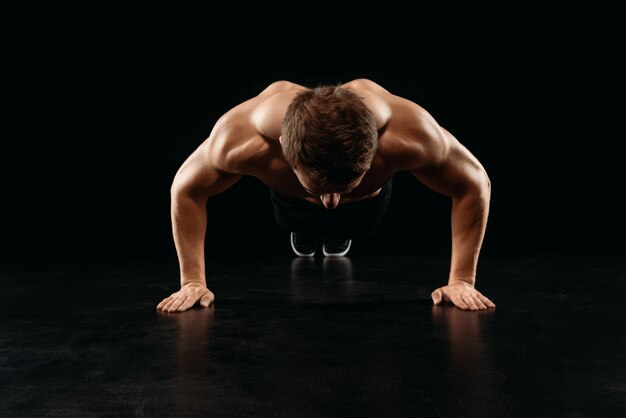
{"x":328,"y":155}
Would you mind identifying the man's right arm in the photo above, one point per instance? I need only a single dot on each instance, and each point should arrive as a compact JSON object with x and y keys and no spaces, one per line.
{"x":205,"y":173}
{"x":196,"y":180}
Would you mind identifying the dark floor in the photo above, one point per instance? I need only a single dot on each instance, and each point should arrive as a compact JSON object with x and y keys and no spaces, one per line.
{"x":321,"y":338}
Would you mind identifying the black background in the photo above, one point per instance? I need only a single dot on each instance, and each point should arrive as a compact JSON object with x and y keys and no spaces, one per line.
{"x":105,"y":107}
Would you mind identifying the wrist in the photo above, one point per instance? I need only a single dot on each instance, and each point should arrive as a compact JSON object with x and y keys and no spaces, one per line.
{"x":471,"y":280}
{"x":184,"y":283}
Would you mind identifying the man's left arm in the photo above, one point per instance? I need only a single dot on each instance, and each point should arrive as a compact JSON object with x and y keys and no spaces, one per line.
{"x":450,"y":169}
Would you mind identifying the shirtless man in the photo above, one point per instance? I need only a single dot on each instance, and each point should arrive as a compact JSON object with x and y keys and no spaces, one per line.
{"x":328,"y":155}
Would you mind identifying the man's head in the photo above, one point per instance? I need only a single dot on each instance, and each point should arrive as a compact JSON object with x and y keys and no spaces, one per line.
{"x":329,"y":136}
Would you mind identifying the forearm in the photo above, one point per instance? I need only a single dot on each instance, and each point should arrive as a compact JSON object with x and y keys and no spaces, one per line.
{"x":469,"y":222}
{"x":189,"y":220}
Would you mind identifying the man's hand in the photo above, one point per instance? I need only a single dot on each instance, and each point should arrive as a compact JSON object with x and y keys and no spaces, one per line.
{"x":463,"y":295}
{"x":186,"y":297}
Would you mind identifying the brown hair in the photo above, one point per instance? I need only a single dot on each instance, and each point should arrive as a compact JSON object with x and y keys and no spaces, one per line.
{"x":329,"y":133}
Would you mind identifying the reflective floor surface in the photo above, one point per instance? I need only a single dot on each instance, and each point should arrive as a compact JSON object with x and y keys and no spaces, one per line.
{"x":315,"y":338}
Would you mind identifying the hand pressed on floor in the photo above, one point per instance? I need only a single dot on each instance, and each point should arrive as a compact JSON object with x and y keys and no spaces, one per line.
{"x":186,"y":297}
{"x":462,"y":295}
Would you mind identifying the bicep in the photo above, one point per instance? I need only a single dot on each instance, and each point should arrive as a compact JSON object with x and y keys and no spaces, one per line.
{"x":454,"y":171}
{"x":199,"y":177}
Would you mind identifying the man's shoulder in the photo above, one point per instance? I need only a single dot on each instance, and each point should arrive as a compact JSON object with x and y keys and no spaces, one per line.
{"x":247,"y":135}
{"x":237,"y":146}
{"x":281,"y":86}
{"x":412,"y":136}
{"x":271,"y":105}
{"x":365,"y":84}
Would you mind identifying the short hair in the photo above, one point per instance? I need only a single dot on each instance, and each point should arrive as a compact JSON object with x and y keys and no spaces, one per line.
{"x":329,"y":133}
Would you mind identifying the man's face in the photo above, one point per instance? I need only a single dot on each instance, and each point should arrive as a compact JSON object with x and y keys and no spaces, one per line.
{"x":329,"y":196}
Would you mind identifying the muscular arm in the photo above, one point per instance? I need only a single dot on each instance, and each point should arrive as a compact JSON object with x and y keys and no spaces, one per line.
{"x":199,"y":177}
{"x":453,"y":171}
{"x":232,"y":150}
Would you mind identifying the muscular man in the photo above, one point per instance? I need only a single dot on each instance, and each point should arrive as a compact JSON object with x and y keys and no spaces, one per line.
{"x":328,"y":155}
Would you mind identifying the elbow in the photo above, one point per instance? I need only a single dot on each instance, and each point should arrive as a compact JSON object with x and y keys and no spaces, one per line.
{"x":180,"y":183}
{"x":174,"y":189}
{"x":483,"y":188}
{"x":178,"y":189}
{"x":479,"y":189}
{"x":487,"y":184}
{"x":484,"y":191}
{"x":179,"y":197}
{"x":175,"y":194}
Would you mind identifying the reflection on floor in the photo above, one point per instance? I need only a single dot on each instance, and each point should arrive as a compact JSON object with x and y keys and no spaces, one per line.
{"x":315,"y":337}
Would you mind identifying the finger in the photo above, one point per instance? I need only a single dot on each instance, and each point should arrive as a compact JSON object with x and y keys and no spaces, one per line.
{"x":469,"y":300}
{"x":171,"y":303}
{"x":206,"y":300}
{"x":459,"y":302}
{"x":179,"y":301}
{"x":166,"y":307}
{"x":168,"y":303}
{"x":168,"y":300}
{"x":163,"y":302}
{"x":479,"y":302}
{"x":188,"y":303}
{"x":487,"y":301}
{"x":436,"y":296}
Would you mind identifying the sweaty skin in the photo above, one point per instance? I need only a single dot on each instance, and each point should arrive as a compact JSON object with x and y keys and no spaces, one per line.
{"x":246,"y":141}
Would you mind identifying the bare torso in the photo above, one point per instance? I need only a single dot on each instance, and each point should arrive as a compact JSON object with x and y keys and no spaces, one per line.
{"x":254,"y":149}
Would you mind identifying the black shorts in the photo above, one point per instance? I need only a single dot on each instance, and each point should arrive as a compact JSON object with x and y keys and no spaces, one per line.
{"x":354,"y":220}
